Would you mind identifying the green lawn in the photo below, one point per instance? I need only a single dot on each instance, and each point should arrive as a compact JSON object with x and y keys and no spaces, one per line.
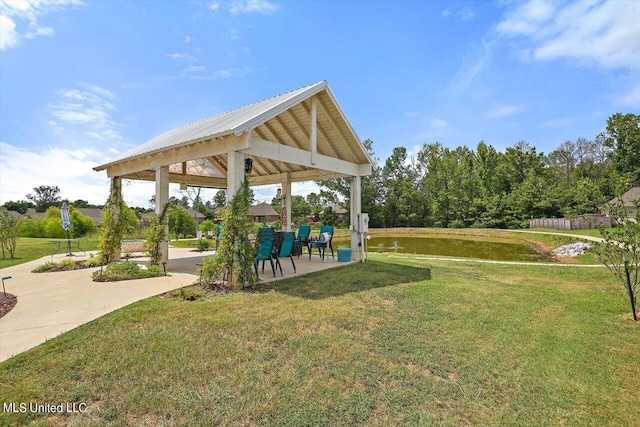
{"x":592,"y":232}
{"x":390,"y":342}
{"x":28,"y":249}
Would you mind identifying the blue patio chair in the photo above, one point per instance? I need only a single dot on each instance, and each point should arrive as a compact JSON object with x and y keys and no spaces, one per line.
{"x":285,"y":250}
{"x":303,"y":238}
{"x":324,"y":241}
{"x":264,"y":252}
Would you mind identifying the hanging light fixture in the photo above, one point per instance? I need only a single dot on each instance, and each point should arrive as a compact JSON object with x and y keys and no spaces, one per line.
{"x":279,"y":194}
{"x":248,"y":165}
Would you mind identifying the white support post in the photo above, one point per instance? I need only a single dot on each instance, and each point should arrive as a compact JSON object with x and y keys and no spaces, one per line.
{"x":162,"y":197}
{"x":235,"y":173}
{"x":285,"y":217}
{"x":356,"y":210}
{"x":313,"y":131}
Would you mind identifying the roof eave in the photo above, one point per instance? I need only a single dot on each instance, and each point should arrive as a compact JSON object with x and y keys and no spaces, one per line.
{"x":159,"y":150}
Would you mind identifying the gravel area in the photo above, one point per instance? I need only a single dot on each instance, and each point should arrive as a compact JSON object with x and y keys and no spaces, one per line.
{"x":571,"y":250}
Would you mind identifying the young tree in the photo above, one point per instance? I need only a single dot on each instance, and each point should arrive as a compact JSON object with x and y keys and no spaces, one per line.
{"x":180,"y":221}
{"x":232,"y":266}
{"x":9,"y":229}
{"x":620,"y":251}
{"x":112,"y":229}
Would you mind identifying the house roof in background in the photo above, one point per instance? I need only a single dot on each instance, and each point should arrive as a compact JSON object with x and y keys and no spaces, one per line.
{"x":262,"y":209}
{"x":628,"y":198}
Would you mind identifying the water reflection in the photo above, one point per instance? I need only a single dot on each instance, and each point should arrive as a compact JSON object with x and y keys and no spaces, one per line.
{"x":454,"y":247}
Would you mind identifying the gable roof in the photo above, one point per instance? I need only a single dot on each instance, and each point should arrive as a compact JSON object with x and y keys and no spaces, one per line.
{"x":628,"y":198}
{"x":280,"y":130}
{"x":262,"y":209}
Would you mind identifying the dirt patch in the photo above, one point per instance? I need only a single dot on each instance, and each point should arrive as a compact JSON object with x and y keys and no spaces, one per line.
{"x":7,"y":302}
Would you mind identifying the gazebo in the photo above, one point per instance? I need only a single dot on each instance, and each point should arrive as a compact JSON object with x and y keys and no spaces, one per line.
{"x":300,"y":135}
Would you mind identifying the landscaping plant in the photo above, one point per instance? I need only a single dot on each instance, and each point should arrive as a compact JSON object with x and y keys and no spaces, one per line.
{"x":232,"y":267}
{"x":620,"y":251}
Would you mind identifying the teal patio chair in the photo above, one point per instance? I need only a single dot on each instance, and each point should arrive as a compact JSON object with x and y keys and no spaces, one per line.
{"x":303,"y":238}
{"x":285,"y":250}
{"x":264,"y":252}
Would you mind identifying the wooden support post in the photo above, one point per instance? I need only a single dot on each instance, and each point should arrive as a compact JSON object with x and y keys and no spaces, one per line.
{"x":162,"y":198}
{"x":313,"y":134}
{"x":356,"y":210}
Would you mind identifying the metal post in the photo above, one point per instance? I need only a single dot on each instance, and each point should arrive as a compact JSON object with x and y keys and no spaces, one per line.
{"x":3,"y":289}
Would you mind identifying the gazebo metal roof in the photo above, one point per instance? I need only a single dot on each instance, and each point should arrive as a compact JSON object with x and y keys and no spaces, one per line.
{"x":279,"y":133}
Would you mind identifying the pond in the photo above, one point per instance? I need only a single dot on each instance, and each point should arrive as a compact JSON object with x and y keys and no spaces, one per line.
{"x":507,"y":250}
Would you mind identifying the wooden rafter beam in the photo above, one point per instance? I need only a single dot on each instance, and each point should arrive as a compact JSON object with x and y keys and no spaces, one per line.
{"x":321,"y":130}
{"x":216,"y":164}
{"x":336,"y":127}
{"x":286,"y":154}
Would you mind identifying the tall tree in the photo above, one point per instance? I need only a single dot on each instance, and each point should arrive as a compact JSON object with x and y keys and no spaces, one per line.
{"x":44,"y":197}
{"x":623,"y":135}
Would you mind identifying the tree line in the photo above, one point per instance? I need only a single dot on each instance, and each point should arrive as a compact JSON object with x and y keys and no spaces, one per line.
{"x":484,"y":187}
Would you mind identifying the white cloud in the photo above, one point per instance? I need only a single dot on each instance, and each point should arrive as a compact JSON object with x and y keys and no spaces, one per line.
{"x":446,"y":13}
{"x":465,"y":14}
{"x":8,"y":33}
{"x":628,"y":98}
{"x":188,"y":39}
{"x":181,"y":56}
{"x":472,"y":65}
{"x":23,"y":169}
{"x":502,"y":111}
{"x":40,"y":31}
{"x":214,"y":6}
{"x":86,"y":109}
{"x":601,"y":33}
{"x":30,"y":11}
{"x":234,"y":34}
{"x":251,"y":6}
{"x":195,"y":68}
{"x":439,"y":123}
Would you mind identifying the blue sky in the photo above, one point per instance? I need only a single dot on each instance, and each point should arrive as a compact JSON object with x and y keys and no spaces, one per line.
{"x":81,"y":81}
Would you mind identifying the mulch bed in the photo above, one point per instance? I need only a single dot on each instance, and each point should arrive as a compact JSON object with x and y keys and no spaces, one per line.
{"x":79,"y":266}
{"x":7,"y":302}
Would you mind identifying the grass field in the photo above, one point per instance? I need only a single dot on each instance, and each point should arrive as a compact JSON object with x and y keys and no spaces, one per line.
{"x":28,"y":249}
{"x":390,"y":342}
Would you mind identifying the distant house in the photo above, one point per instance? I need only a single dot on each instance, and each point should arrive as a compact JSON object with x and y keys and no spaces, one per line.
{"x":340,"y":211}
{"x":627,"y":200}
{"x":94,"y":213}
{"x":261,"y":211}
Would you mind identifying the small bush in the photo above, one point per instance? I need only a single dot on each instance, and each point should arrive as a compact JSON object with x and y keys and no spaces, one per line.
{"x":203,"y":245}
{"x":68,"y":264}
{"x":188,"y":294}
{"x":47,"y":266}
{"x":125,"y":271}
{"x":94,"y":261}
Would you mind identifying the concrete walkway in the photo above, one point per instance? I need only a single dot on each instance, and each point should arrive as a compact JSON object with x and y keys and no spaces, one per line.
{"x":50,"y":304}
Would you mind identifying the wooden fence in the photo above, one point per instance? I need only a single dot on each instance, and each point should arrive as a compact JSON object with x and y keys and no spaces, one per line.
{"x":571,"y":224}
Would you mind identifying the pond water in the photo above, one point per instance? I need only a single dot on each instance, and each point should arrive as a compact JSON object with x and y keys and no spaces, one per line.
{"x":453,"y":247}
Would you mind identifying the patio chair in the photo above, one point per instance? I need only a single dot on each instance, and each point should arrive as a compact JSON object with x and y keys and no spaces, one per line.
{"x":303,"y":239}
{"x":264,"y":251}
{"x":219,"y":234}
{"x":324,"y":241}
{"x":285,"y":250}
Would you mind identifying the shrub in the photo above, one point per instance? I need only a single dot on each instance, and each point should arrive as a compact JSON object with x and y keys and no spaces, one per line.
{"x":125,"y":271}
{"x":203,"y":245}
{"x":94,"y":261}
{"x":68,"y":264}
{"x":47,"y":266}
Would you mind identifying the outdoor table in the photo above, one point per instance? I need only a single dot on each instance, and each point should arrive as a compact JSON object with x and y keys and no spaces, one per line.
{"x":67,"y":244}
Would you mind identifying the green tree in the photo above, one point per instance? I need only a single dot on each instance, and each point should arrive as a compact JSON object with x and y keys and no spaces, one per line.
{"x":300,"y":209}
{"x":620,"y":251}
{"x":181,"y":223}
{"x":207,"y":226}
{"x":20,"y":206}
{"x":623,"y":136}
{"x":9,"y":230}
{"x":44,"y":197}
{"x":328,"y":216}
